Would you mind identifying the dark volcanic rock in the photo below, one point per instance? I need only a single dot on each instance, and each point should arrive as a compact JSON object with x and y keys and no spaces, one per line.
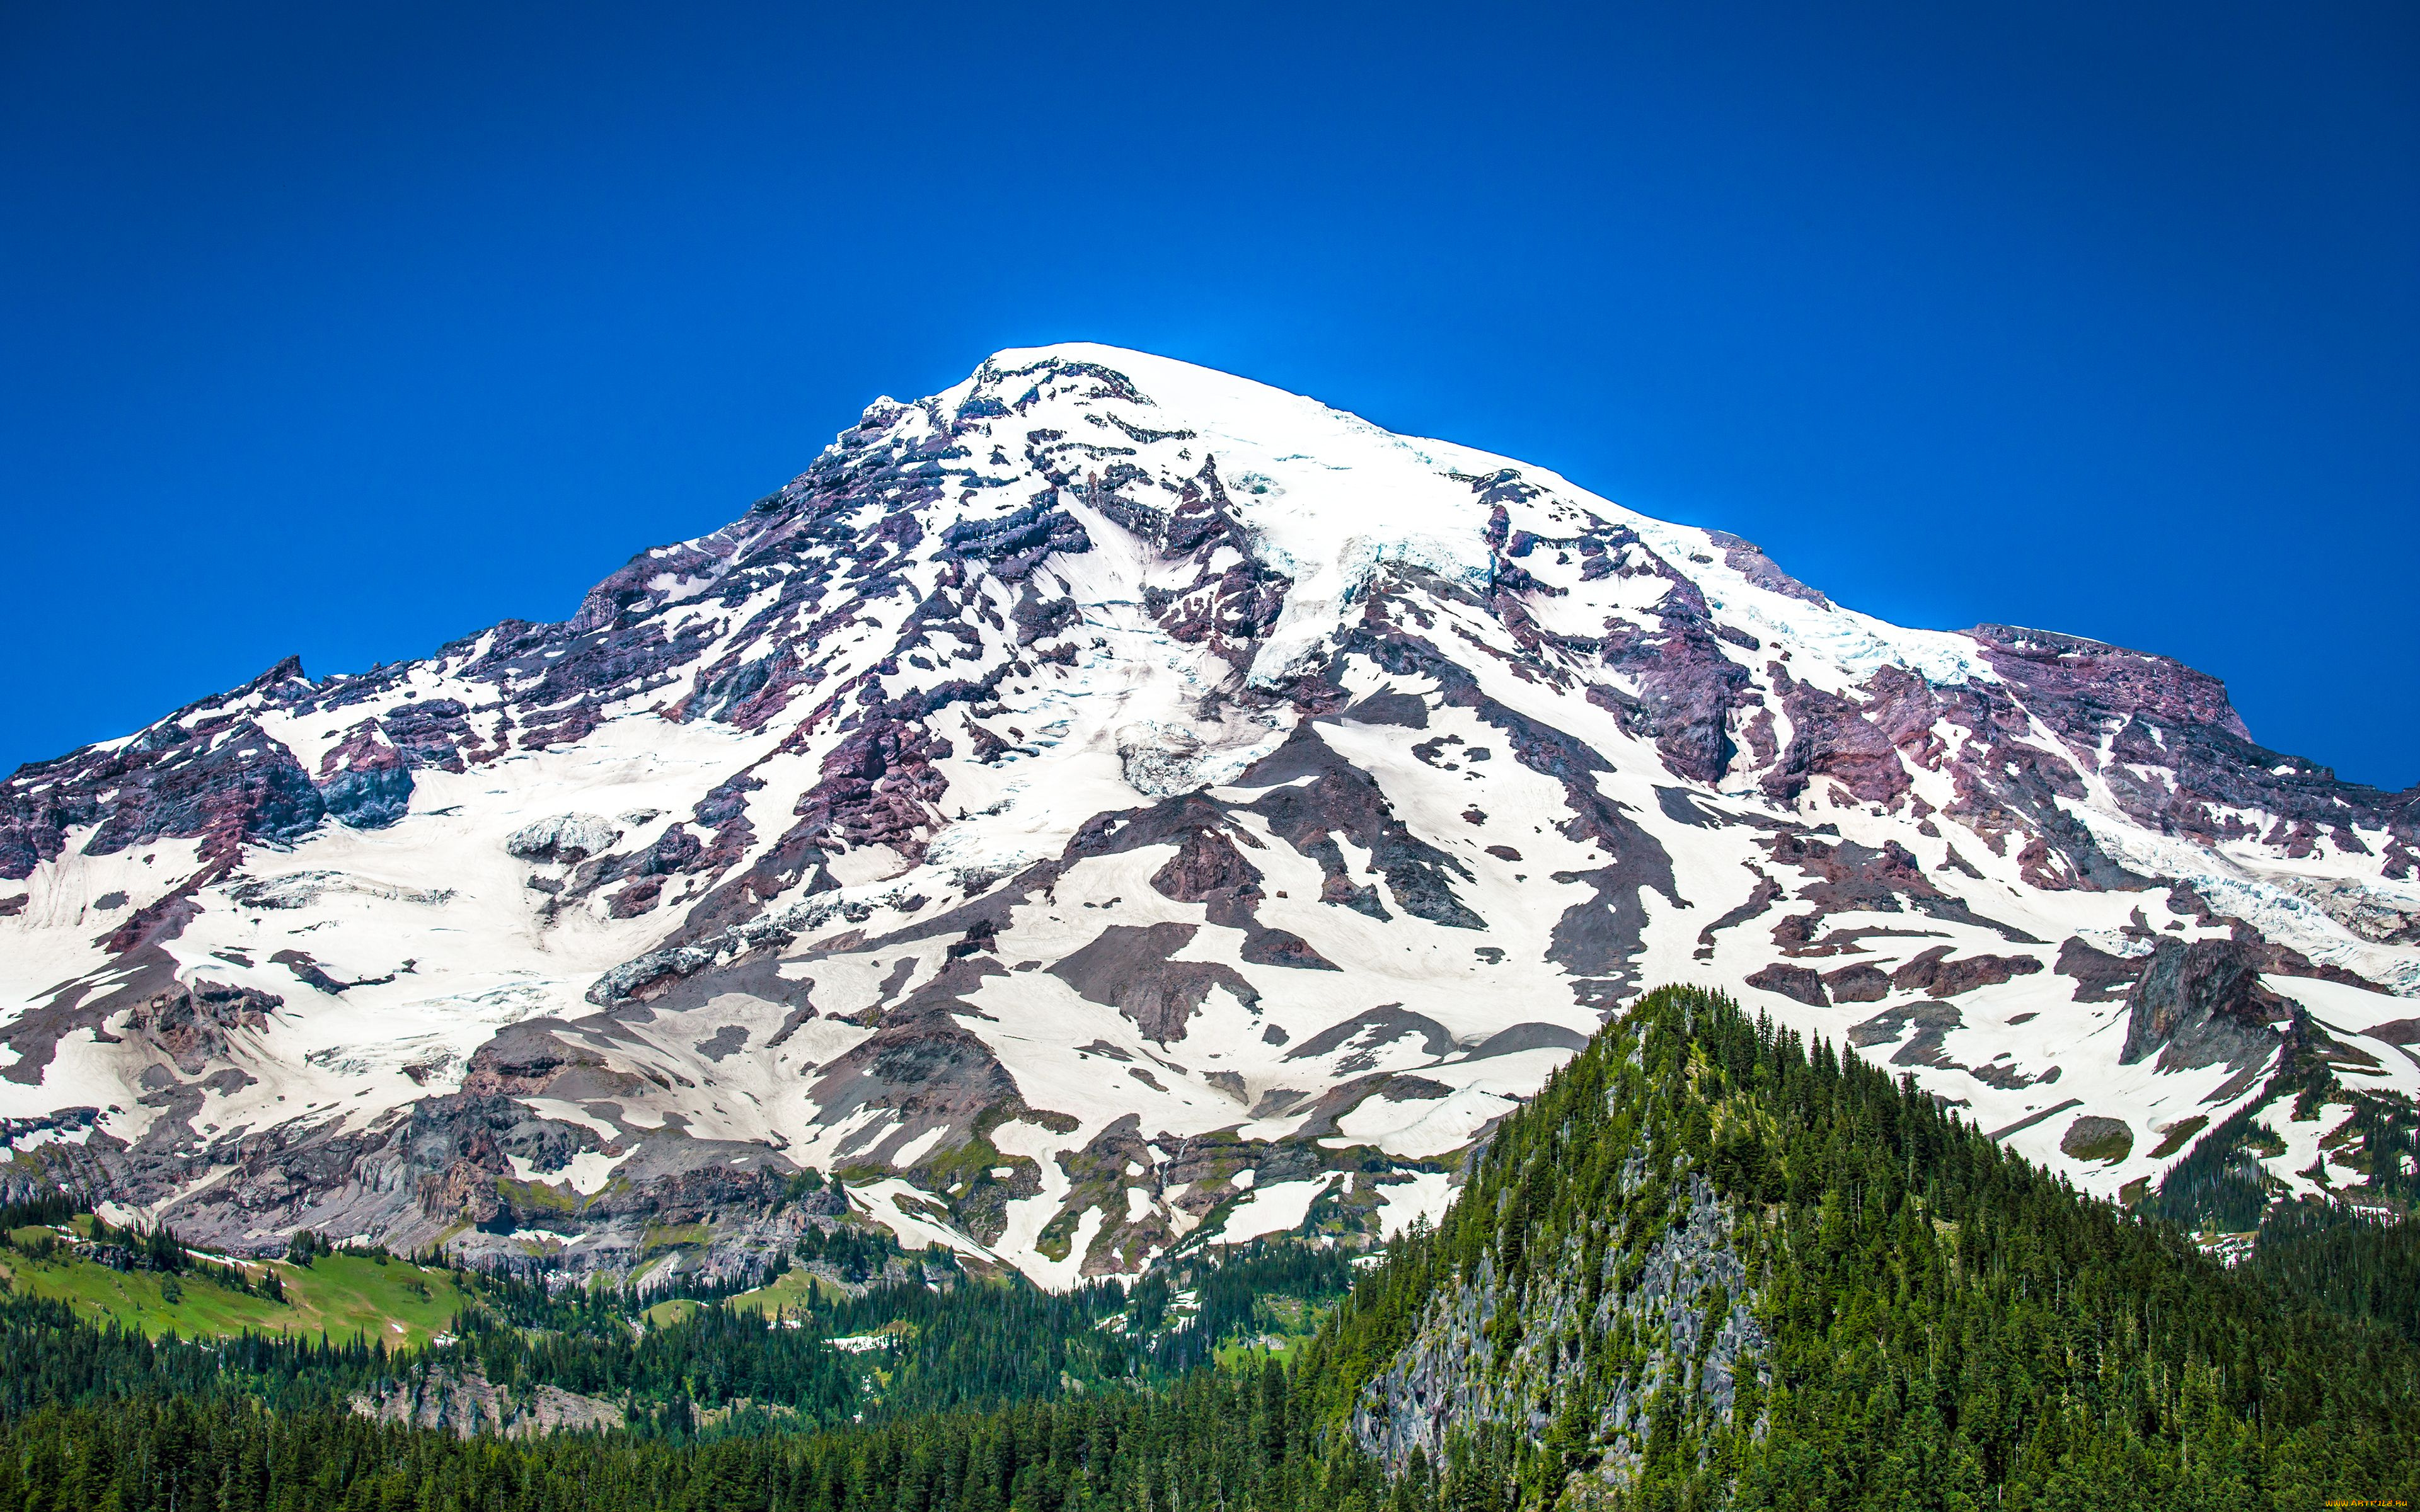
{"x":1016,"y":541}
{"x":2179,"y":723}
{"x":1687,"y":686}
{"x":2100,"y":977}
{"x":226,"y":785}
{"x":1206,"y":864}
{"x":924,"y":1068}
{"x":1864,"y":982}
{"x":877,"y":786}
{"x":191,"y":1023}
{"x":1342,"y":799}
{"x":1128,"y":968}
{"x":2201,"y":1003}
{"x":1831,"y":738}
{"x":1800,"y":982}
{"x":1936,"y":974}
{"x":363,"y":783}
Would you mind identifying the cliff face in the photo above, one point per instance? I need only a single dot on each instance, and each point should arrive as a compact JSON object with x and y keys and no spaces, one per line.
{"x":1111,"y":800}
{"x":1586,"y":1345}
{"x":465,"y":1403}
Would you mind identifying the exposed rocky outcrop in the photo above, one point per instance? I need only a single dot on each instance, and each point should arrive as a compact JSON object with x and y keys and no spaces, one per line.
{"x":190,"y":1024}
{"x":1481,"y":1355}
{"x":2203,"y":1003}
{"x":2100,"y":977}
{"x":465,"y":1403}
{"x":1801,"y":982}
{"x":1936,"y":974}
{"x":1129,"y":968}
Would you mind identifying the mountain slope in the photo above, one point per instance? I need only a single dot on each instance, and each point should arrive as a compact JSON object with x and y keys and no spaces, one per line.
{"x":1705,"y":1267}
{"x":1110,"y":803}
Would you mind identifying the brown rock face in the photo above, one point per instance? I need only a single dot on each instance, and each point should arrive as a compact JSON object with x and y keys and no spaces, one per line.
{"x":2100,"y":977}
{"x":1227,"y":608}
{"x":1206,"y":863}
{"x":1832,"y":739}
{"x":364,"y":781}
{"x":875,"y":785}
{"x":1687,"y":687}
{"x":525,"y":1059}
{"x":190,"y":1024}
{"x":2201,"y":1003}
{"x":1861,"y":983}
{"x":1800,"y":982}
{"x":1936,"y":975}
{"x":2179,"y":725}
{"x":1128,"y":968}
{"x":2079,"y":683}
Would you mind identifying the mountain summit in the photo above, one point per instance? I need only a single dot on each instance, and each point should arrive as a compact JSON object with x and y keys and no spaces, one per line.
{"x":1110,"y":803}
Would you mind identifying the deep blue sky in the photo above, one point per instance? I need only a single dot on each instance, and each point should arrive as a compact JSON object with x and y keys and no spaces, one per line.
{"x":350,"y":328}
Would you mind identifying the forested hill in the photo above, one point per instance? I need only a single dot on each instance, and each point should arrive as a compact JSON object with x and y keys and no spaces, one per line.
{"x":1707,"y":1267}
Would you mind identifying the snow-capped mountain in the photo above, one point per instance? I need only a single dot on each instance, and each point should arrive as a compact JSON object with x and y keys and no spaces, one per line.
{"x":1109,"y":802}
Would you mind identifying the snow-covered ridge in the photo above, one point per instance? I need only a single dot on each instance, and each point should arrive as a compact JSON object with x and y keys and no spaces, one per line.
{"x":1112,"y":804}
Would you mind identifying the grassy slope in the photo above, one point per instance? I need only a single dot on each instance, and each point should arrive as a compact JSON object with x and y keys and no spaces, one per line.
{"x":788,"y":1292}
{"x":1290,"y":1322}
{"x":676,"y":1310}
{"x":342,"y":1295}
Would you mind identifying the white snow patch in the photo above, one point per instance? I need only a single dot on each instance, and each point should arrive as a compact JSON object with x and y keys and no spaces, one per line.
{"x":1273,"y":1210}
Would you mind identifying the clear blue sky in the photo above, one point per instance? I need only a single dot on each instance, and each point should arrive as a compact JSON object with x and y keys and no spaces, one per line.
{"x":349,"y":328}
